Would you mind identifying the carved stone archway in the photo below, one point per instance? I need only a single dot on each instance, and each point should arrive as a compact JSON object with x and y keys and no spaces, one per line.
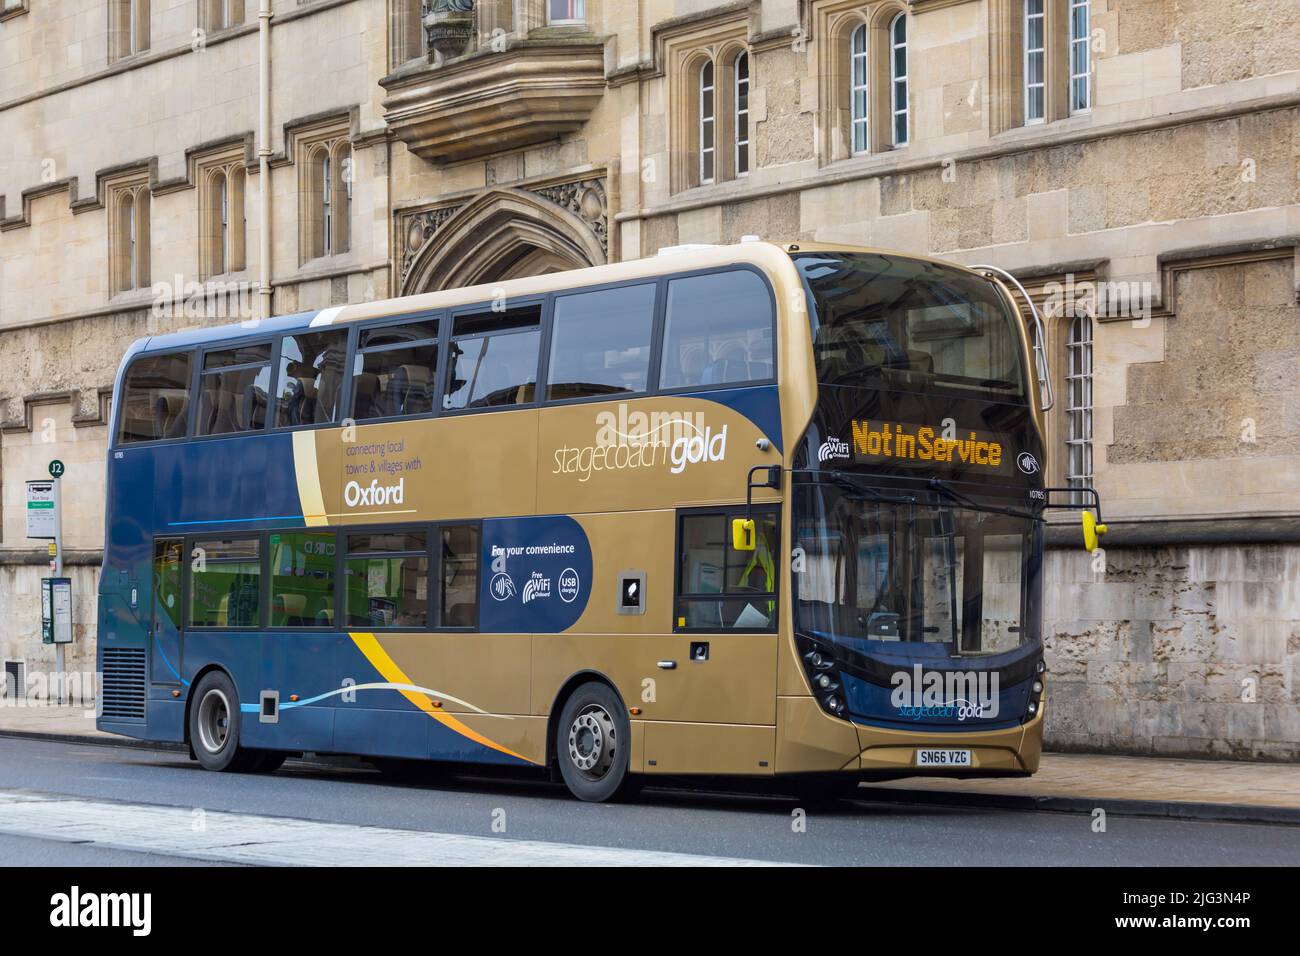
{"x":503,"y":233}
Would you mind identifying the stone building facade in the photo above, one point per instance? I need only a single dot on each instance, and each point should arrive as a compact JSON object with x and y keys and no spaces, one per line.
{"x":1136,"y":163}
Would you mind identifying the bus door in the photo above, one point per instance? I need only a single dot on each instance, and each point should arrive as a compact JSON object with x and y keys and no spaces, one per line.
{"x":715,"y":677}
{"x":165,"y":633}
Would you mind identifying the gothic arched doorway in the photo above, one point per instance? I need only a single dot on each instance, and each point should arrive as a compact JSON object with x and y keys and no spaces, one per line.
{"x":504,"y":233}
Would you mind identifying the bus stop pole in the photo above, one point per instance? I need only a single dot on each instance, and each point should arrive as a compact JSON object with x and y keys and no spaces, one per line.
{"x":60,"y":663}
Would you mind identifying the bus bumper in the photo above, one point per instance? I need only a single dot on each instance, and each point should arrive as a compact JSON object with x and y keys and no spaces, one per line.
{"x":1011,"y":750}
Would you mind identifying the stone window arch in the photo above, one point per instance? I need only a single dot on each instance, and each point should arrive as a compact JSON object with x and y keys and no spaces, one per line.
{"x":325,"y":227}
{"x":222,"y":221}
{"x":865,"y":96}
{"x":1040,"y":61}
{"x":716,"y":128}
{"x":716,"y":48}
{"x":128,"y":245}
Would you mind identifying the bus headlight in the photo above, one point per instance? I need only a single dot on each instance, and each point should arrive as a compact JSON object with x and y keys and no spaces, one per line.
{"x":1037,"y":687}
{"x":819,"y":665}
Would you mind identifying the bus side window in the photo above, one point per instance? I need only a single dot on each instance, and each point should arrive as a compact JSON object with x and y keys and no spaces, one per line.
{"x":156,"y":398}
{"x":234,"y":390}
{"x":718,"y":587}
{"x":386,"y":580}
{"x":458,"y":573}
{"x":394,"y":371}
{"x":302,"y":578}
{"x":225,"y":583}
{"x":493,"y":359}
{"x":310,"y":379}
{"x":592,"y":355}
{"x":718,"y":330}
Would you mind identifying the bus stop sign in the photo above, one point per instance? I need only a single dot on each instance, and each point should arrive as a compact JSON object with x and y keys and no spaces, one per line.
{"x":56,"y":469}
{"x":42,"y":510}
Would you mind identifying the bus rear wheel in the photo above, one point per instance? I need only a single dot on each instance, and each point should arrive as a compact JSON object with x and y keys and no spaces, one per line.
{"x":593,"y":744}
{"x":214,"y":730}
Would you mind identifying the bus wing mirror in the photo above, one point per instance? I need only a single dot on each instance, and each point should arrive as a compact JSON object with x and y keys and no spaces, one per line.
{"x":1092,"y":532}
{"x":744,"y":534}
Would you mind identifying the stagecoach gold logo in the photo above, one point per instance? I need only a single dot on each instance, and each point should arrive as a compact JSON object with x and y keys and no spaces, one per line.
{"x":912,"y":443}
{"x":631,"y":439}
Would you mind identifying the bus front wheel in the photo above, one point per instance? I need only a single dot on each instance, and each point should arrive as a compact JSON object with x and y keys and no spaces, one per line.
{"x":593,"y":744}
{"x":214,"y":730}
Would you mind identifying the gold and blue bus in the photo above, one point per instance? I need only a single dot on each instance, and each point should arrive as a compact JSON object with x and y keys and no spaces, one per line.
{"x":750,"y":510}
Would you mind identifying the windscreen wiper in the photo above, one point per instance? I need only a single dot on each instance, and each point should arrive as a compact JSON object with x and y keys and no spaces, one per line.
{"x":857,"y":484}
{"x":941,"y":486}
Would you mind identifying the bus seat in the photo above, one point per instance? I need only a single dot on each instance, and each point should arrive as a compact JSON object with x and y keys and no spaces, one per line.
{"x":287,"y":610}
{"x":408,"y":391}
{"x":460,"y":615}
{"x":732,"y":365}
{"x":225,"y":412}
{"x":920,"y":361}
{"x":325,"y":613}
{"x":365,"y":389}
{"x":253,"y":412}
{"x":306,"y":413}
{"x":690,"y":369}
{"x":169,"y":414}
{"x":327,"y":395}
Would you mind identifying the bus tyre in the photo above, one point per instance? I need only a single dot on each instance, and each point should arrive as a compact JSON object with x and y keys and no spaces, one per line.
{"x":214,"y":728}
{"x":593,"y":743}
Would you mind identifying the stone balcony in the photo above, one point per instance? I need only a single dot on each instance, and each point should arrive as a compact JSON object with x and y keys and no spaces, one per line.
{"x":524,"y":92}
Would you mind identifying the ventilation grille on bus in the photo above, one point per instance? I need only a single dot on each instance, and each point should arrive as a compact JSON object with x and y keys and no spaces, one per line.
{"x":125,"y":682}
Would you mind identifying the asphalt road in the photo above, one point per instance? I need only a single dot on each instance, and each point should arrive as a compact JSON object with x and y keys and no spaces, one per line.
{"x":86,"y":805}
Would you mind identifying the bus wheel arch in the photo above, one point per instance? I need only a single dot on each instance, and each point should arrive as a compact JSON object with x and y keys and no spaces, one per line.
{"x":193,"y":687}
{"x":214,"y":689}
{"x":601,"y":704}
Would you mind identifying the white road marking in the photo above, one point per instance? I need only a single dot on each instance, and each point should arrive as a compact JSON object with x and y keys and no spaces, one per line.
{"x":280,"y":841}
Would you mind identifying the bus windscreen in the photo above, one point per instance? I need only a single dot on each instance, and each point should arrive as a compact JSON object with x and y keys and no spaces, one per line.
{"x":906,"y":324}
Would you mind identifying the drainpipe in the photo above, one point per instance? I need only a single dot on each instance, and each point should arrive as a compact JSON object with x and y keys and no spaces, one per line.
{"x":264,"y":152}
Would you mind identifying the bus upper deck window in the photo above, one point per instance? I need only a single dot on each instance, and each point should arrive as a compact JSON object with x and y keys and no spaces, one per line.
{"x":494,"y":358}
{"x":234,"y":388}
{"x":718,"y":330}
{"x":394,"y":370}
{"x":155,"y":401}
{"x":600,"y":342}
{"x":310,"y":379}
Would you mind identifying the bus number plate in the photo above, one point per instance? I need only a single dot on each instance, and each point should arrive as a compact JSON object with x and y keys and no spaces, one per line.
{"x":943,"y":758}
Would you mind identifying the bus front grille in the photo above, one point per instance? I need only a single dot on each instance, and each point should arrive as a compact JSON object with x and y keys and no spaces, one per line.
{"x":125,"y":683}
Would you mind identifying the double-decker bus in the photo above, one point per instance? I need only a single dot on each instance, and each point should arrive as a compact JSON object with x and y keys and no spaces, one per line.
{"x":758,"y":509}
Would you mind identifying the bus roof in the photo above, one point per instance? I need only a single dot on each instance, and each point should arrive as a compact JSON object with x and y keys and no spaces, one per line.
{"x":774,"y":258}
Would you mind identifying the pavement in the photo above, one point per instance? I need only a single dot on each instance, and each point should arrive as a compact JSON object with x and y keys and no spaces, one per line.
{"x":1069,"y":782}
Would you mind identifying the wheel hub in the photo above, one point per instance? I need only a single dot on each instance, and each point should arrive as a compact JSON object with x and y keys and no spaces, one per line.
{"x":214,"y":721}
{"x":592,"y":741}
